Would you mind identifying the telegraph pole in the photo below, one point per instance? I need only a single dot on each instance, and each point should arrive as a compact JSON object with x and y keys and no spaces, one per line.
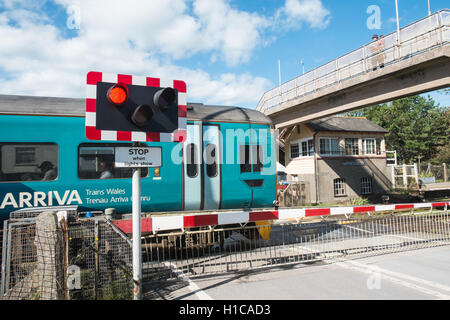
{"x":398,"y":22}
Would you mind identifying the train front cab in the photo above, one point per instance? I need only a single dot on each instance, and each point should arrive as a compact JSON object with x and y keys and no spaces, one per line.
{"x":228,"y":165}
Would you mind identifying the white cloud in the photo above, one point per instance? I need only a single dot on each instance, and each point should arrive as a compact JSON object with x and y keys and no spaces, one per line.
{"x":296,"y":12}
{"x":235,"y":33}
{"x":168,"y":27}
{"x":134,"y":37}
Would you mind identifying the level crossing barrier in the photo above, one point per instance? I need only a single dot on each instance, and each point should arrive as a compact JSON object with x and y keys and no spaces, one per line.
{"x":156,"y":223}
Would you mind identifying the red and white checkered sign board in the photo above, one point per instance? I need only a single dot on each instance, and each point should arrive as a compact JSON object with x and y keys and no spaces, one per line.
{"x":179,"y":135}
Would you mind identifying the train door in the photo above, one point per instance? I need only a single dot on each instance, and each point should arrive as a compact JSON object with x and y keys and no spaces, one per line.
{"x":191,"y":168}
{"x":211,"y":168}
{"x":201,"y":167}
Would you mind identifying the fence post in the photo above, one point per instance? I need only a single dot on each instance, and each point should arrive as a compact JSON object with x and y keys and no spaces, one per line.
{"x":49,"y":257}
{"x":364,"y":59}
{"x":444,"y":166}
{"x":65,"y":252}
{"x":96,"y":257}
{"x":393,"y":177}
{"x":337,"y":75}
{"x":405,"y":178}
{"x":416,"y":174}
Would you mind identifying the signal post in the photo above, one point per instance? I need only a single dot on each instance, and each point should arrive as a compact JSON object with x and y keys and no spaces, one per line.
{"x":138,"y":109}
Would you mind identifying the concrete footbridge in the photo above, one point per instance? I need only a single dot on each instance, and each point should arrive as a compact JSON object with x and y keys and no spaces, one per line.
{"x":412,"y":61}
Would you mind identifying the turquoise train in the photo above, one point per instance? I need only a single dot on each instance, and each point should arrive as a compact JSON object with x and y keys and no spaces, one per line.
{"x":228,"y":161}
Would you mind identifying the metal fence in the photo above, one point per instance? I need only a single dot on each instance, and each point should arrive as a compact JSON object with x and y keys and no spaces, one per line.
{"x":294,"y":194}
{"x":213,"y":252}
{"x":104,"y":259}
{"x":439,"y":173}
{"x":419,"y":37}
{"x":47,"y":257}
{"x":405,"y":176}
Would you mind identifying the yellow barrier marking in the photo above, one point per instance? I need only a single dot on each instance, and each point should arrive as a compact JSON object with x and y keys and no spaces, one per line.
{"x":265,"y":227}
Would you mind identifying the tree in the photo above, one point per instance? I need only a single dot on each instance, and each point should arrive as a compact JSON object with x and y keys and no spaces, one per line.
{"x":416,"y":125}
{"x":443,"y":152}
{"x":445,"y":91}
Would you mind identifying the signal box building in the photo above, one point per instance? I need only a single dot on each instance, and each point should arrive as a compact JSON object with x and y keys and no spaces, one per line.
{"x":341,"y":158}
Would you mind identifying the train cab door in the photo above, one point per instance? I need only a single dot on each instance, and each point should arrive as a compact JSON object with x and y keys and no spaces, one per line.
{"x":192,"y":174}
{"x":211,"y":167}
{"x":201,"y":167}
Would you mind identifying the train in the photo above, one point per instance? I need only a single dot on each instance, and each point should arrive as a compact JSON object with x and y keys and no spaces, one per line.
{"x":228,"y":161}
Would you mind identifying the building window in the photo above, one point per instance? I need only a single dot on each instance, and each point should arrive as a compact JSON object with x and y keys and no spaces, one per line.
{"x":308,"y":148}
{"x":302,"y":148}
{"x":96,"y":161}
{"x":379,"y":151}
{"x":28,"y":162}
{"x":366,"y":185}
{"x":339,"y":187}
{"x":329,"y":147}
{"x":294,"y":150}
{"x":370,"y":146}
{"x":351,"y":146}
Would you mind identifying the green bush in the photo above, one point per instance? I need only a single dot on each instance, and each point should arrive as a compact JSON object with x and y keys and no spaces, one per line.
{"x":359,"y":201}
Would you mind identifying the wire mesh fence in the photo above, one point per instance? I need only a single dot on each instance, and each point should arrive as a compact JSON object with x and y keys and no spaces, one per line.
{"x":294,"y":194}
{"x":438,"y":173}
{"x":101,"y":258}
{"x":49,"y":257}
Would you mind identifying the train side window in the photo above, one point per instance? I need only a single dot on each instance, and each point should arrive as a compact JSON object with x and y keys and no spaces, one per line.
{"x":257,"y":158}
{"x":28,"y":162}
{"x":245,"y":158}
{"x":211,"y":160}
{"x":96,"y":161}
{"x":192,"y":160}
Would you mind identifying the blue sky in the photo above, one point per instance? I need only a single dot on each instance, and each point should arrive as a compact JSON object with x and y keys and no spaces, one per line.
{"x":226,"y":50}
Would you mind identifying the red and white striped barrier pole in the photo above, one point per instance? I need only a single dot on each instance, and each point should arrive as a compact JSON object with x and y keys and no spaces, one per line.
{"x":180,"y":222}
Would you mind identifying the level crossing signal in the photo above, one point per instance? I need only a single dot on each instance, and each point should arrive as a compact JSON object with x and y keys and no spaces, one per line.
{"x":131,"y":108}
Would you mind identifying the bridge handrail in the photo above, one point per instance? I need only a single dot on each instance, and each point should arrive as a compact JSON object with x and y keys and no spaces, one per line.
{"x":434,"y":33}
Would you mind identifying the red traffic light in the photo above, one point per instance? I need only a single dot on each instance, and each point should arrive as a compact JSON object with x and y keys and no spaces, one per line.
{"x":117,"y":94}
